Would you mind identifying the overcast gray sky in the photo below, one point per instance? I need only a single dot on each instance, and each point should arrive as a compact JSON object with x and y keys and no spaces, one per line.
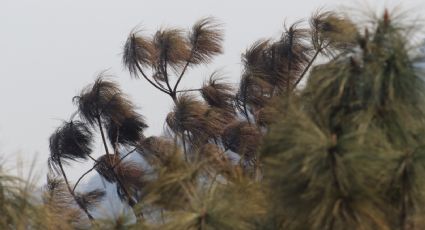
{"x":51,"y":49}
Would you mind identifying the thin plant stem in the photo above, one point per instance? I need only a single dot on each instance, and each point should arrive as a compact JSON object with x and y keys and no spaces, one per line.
{"x":184,"y":146}
{"x":184,"y":70}
{"x":318,"y":51}
{"x":150,"y":81}
{"x":103,"y":135}
{"x":130,"y":201}
{"x":187,"y":90}
{"x":288,"y":87}
{"x":82,"y":176}
{"x":97,"y":163}
{"x":72,"y":192}
{"x":245,"y":110}
{"x":167,"y":81}
{"x":122,"y":158}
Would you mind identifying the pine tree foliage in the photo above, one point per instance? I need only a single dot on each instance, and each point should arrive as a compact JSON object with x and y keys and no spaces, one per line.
{"x":347,"y":154}
{"x":296,"y":145}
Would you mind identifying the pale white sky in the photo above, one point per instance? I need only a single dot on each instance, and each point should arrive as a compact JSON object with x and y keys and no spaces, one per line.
{"x":51,"y":49}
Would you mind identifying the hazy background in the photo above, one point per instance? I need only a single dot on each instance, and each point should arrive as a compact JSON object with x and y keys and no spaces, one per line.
{"x":51,"y":49}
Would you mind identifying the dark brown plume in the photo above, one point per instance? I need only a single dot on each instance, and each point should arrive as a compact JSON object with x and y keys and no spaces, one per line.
{"x":104,"y":165}
{"x":253,"y":58}
{"x":205,"y":38}
{"x":105,"y":102}
{"x":71,"y":141}
{"x":242,"y":138}
{"x":137,"y":53}
{"x":218,"y":94}
{"x":333,"y":30}
{"x":216,"y":120}
{"x":170,"y":47}
{"x":253,"y":92}
{"x":187,"y":115}
{"x":102,"y":99}
{"x":128,"y":131}
{"x":288,"y":57}
{"x":157,"y":148}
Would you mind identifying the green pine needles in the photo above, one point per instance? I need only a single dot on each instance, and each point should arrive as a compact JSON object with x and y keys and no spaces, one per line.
{"x":348,"y":152}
